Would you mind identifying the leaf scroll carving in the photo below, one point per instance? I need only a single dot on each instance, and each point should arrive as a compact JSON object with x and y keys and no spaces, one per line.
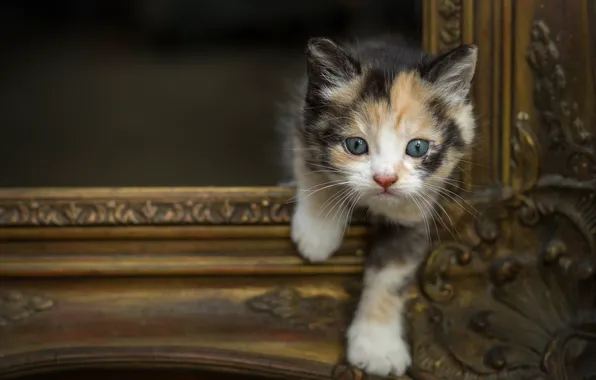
{"x":525,"y":155}
{"x":567,"y":134}
{"x":500,"y":310}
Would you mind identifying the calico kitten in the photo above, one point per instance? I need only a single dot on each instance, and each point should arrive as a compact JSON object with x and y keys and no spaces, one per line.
{"x":382,"y":125}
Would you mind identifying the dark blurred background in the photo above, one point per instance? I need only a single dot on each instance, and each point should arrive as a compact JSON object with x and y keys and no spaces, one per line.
{"x":161,"y":92}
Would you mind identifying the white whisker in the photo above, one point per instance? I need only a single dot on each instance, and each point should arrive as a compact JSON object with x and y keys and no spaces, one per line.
{"x":424,"y":218}
{"x":432,"y":211}
{"x":450,"y":195}
{"x":333,"y":200}
{"x":450,"y":229}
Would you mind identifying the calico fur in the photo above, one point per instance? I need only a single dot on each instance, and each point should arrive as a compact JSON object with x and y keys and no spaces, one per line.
{"x":388,"y":94}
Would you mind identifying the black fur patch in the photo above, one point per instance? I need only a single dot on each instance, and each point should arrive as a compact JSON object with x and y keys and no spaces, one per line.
{"x":438,"y":108}
{"x":331,"y":135}
{"x":314,"y":108}
{"x":451,"y":133}
{"x":452,"y":137}
{"x":433,"y":161}
{"x":397,"y":244}
{"x":376,"y":85}
{"x":322,"y":130}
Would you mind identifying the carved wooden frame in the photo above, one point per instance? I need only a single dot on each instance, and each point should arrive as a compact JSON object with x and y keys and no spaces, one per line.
{"x":207,"y":278}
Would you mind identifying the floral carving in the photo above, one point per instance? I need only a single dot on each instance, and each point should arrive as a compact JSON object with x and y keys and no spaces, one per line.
{"x":16,"y":306}
{"x":38,"y":212}
{"x":450,"y":30}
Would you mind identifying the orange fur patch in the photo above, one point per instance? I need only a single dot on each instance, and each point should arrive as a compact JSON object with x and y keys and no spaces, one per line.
{"x":408,"y":96}
{"x":385,"y":307}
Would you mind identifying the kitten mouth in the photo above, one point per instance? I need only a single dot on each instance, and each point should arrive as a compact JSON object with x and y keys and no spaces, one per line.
{"x":386,"y":193}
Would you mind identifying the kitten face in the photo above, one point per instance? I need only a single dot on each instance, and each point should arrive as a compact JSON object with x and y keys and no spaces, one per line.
{"x":386,"y":133}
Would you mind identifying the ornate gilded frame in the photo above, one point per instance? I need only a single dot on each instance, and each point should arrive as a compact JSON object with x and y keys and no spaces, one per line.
{"x":207,"y":277}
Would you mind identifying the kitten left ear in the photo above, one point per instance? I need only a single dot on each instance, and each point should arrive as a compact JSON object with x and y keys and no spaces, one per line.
{"x":328,"y":65}
{"x":452,"y":72}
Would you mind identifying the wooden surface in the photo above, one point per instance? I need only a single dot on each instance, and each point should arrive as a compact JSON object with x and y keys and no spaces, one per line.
{"x":153,"y":374}
{"x":271,"y":325}
{"x":208,"y":280}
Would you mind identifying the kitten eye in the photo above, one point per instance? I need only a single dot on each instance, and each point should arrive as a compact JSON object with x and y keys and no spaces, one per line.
{"x":417,"y":148}
{"x":356,"y":146}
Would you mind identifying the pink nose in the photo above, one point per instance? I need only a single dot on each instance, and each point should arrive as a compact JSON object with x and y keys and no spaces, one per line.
{"x":385,"y":180}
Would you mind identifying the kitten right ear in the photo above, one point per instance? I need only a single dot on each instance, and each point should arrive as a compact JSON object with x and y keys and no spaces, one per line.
{"x":452,"y":72}
{"x":328,"y":65}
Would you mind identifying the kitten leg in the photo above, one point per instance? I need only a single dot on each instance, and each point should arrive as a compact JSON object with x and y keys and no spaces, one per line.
{"x":317,"y":226}
{"x":376,"y":337}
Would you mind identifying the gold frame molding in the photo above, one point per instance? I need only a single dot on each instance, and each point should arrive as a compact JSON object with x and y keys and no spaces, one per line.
{"x":207,"y":278}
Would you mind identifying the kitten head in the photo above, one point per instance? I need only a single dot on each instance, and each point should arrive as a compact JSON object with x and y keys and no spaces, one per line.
{"x":388,"y":132}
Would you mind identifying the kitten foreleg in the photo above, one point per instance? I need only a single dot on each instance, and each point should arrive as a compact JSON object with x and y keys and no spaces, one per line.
{"x":318,"y":222}
{"x":376,"y":337}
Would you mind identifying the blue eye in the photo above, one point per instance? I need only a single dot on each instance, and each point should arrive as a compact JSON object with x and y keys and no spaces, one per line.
{"x":356,"y":146}
{"x":417,"y":148}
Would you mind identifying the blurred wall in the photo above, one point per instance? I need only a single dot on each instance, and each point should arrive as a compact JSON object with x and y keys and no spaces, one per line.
{"x":160,"y":93}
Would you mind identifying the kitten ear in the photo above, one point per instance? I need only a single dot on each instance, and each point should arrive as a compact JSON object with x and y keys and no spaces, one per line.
{"x":328,"y":65}
{"x":452,"y":72}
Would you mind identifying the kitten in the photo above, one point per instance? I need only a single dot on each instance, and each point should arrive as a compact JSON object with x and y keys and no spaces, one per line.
{"x":381,"y":125}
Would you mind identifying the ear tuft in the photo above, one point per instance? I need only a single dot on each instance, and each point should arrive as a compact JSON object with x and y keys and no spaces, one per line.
{"x":452,"y":72}
{"x":328,"y":65}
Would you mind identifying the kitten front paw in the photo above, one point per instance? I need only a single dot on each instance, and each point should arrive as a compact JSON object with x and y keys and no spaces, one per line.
{"x":315,"y":238}
{"x":378,"y":349}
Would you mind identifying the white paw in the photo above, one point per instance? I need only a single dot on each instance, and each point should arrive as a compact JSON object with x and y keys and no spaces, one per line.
{"x":315,"y":237}
{"x":378,"y":349}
